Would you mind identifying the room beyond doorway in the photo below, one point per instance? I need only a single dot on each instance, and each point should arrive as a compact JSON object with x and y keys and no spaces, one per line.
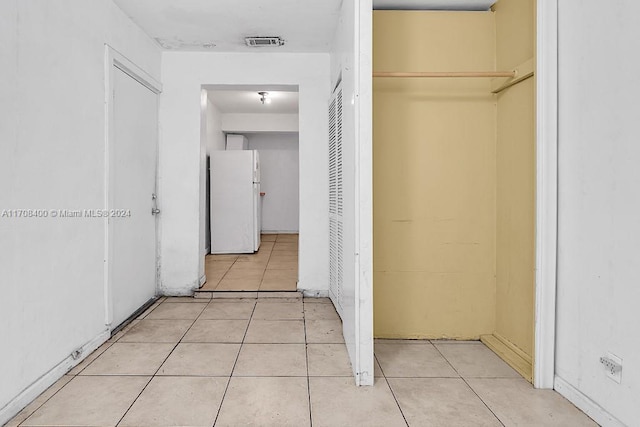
{"x":274,"y":267}
{"x":237,"y":121}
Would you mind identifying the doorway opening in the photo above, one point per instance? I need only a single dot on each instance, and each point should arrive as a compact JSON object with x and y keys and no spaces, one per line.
{"x":250,"y":146}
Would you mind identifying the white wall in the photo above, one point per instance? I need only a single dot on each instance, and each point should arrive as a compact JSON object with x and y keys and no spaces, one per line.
{"x":216,"y":139}
{"x":599,"y":206}
{"x":183,"y":75}
{"x":260,"y":122}
{"x":52,"y":142}
{"x":278,"y":179}
{"x":212,"y":138}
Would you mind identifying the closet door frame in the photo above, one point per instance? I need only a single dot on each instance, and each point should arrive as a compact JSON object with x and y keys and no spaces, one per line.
{"x":546,"y":192}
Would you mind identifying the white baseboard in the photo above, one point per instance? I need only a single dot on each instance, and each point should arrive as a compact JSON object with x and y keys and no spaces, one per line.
{"x":203,"y":279}
{"x":314,"y":293}
{"x":184,"y":291}
{"x":585,"y":404}
{"x":12,"y":408}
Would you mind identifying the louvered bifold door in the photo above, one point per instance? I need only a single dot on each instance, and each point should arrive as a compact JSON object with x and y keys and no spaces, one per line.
{"x":336,"y":201}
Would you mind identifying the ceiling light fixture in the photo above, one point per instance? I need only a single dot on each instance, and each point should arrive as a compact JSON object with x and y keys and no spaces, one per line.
{"x":264,"y":97}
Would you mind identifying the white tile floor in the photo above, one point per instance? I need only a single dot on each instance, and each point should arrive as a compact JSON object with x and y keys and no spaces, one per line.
{"x":273,"y":268}
{"x":283,"y":362}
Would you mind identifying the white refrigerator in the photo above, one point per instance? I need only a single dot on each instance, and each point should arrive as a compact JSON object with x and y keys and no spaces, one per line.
{"x":235,"y":202}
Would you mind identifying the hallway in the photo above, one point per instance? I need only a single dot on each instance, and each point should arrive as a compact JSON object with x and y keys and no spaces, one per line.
{"x":283,"y":362}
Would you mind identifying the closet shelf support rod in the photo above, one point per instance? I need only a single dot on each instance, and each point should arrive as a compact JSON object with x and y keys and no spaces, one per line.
{"x":464,"y":74}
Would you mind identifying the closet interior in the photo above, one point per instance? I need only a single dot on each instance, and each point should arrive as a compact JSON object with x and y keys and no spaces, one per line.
{"x":454,"y":177}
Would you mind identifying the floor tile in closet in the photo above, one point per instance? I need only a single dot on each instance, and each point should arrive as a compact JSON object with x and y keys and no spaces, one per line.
{"x":474,"y":359}
{"x":440,"y":402}
{"x":412,"y":360}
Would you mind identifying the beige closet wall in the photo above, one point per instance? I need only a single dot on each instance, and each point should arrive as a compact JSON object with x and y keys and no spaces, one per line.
{"x":434,"y":177}
{"x":515,"y":255}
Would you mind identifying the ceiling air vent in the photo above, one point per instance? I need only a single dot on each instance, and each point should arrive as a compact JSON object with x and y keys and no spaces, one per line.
{"x":264,"y":41}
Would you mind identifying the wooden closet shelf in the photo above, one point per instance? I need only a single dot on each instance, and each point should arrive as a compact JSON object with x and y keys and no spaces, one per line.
{"x":463,"y":74}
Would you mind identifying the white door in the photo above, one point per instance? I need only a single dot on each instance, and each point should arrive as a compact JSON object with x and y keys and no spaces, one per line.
{"x":336,"y":204}
{"x":132,"y":188}
{"x":345,"y":285}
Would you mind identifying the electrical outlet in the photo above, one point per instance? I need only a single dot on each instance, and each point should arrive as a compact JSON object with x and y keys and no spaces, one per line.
{"x":613,"y":366}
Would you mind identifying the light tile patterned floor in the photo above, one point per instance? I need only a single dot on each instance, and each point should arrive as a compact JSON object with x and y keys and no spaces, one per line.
{"x":273,"y":268}
{"x":282,"y":362}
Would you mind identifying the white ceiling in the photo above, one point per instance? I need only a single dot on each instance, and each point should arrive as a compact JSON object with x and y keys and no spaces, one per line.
{"x":305,"y":25}
{"x":247,"y":100}
{"x":434,"y":4}
{"x":222,"y":25}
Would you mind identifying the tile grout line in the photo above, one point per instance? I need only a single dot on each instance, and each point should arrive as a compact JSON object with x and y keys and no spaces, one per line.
{"x":225,"y":273}
{"x":306,"y":352}
{"x":161,"y":376}
{"x":375,"y":358}
{"x":267,"y":264}
{"x":267,"y":267}
{"x":224,"y":395}
{"x":163,"y":362}
{"x":465,"y":381}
